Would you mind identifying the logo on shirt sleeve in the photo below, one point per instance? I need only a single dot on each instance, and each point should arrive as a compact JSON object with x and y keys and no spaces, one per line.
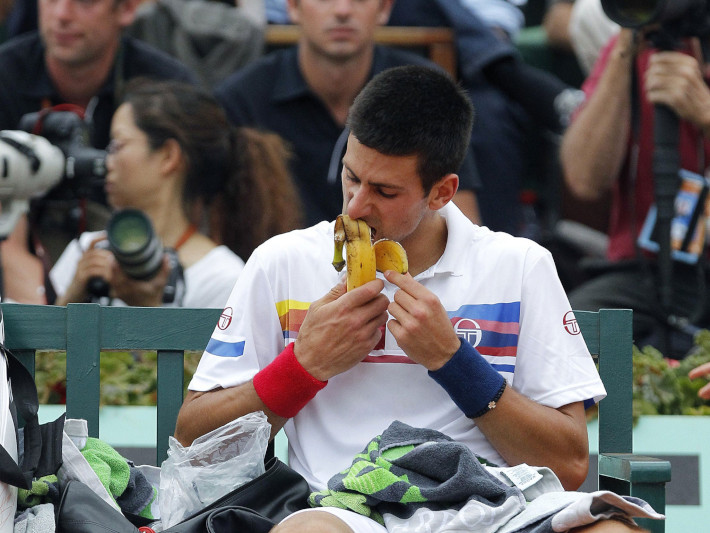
{"x":225,"y":319}
{"x":570,"y":323}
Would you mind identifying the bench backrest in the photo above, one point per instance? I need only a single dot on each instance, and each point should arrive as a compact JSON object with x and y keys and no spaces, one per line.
{"x":86,"y":330}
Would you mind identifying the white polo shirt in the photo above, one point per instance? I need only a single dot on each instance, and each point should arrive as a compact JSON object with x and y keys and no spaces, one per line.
{"x":501,"y":292}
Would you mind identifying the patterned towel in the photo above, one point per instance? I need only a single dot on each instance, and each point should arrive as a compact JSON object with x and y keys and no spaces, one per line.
{"x":415,"y":480}
{"x":408,"y":473}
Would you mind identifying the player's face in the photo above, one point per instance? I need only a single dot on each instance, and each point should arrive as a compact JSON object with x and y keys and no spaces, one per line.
{"x":385,"y":191}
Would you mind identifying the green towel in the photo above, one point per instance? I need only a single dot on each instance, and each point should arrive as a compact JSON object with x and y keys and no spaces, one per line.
{"x":111,"y":468}
{"x":43,"y":490}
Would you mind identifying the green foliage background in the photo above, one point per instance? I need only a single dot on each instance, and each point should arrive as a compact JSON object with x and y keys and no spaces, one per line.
{"x":661,"y":387}
{"x":127,"y":378}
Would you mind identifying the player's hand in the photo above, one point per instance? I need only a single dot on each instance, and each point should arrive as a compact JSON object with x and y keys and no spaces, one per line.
{"x":420,"y":324}
{"x":341,"y":329}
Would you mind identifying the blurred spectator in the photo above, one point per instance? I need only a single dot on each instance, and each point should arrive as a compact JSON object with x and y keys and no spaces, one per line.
{"x":510,"y":98}
{"x":276,"y":12}
{"x":303,"y":93}
{"x":504,"y":16}
{"x":556,"y":23}
{"x":578,"y":26}
{"x":211,"y":37}
{"x":18,"y":17}
{"x":256,"y":9}
{"x":77,"y":57}
{"x":610,"y":147}
{"x":590,"y":29}
{"x":172,"y":147}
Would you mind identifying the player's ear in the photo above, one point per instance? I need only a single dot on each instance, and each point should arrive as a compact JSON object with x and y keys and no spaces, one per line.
{"x":443,"y":191}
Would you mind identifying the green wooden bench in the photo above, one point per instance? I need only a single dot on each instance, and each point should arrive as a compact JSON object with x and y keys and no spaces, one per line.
{"x":608,"y":334}
{"x":84,"y":331}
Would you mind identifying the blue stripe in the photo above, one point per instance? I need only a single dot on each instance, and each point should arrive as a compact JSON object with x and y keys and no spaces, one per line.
{"x":589,"y":403}
{"x":502,"y":312}
{"x":497,"y":340}
{"x":225,"y":349}
{"x":504,"y":368}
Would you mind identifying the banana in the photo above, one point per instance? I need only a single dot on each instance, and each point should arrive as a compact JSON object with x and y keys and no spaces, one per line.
{"x":361,"y":256}
{"x":390,"y":255}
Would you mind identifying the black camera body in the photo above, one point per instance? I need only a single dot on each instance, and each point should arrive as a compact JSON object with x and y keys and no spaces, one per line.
{"x":675,"y":18}
{"x":85,"y":166}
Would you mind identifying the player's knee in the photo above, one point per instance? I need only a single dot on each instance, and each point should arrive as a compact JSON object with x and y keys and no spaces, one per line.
{"x":609,"y":526}
{"x":311,"y":522}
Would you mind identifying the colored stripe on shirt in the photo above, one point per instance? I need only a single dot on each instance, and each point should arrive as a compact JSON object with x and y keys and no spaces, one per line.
{"x":493,"y":329}
{"x":225,"y":349}
{"x":291,"y":315}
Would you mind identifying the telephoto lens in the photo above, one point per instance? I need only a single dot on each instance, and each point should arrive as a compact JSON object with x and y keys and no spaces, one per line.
{"x":132,"y":240}
{"x":640,"y":13}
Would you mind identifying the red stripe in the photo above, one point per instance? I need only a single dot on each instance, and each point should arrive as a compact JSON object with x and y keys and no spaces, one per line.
{"x":512,"y":328}
{"x":500,"y":327}
{"x":511,"y":351}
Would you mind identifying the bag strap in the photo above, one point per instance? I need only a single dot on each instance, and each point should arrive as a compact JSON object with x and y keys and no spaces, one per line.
{"x":23,"y":401}
{"x":42,"y":451}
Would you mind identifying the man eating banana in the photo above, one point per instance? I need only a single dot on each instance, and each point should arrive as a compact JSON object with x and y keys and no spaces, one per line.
{"x":470,"y":342}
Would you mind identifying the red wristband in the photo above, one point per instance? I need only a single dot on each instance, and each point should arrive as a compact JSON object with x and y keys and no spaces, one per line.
{"x":285,"y":386}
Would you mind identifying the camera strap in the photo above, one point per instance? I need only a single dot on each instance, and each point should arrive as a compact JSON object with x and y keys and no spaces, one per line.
{"x":189,"y":232}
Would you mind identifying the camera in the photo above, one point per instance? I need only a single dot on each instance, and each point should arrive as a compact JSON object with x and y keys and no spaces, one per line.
{"x":50,"y":148}
{"x":139,"y":253}
{"x":85,"y":166}
{"x":677,"y":18}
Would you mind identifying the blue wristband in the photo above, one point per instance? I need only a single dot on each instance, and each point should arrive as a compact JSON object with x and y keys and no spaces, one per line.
{"x":473,"y":384}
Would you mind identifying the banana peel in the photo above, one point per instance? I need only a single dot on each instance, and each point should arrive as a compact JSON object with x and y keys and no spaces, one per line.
{"x":362,"y":257}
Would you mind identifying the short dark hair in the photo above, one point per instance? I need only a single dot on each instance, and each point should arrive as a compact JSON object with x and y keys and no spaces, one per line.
{"x":412,"y":110}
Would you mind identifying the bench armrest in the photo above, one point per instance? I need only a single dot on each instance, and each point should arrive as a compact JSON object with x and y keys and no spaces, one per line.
{"x":634,"y":468}
{"x":640,"y":476}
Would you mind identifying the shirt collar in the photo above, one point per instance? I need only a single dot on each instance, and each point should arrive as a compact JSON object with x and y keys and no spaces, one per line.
{"x":290,"y":83}
{"x":458,"y":242}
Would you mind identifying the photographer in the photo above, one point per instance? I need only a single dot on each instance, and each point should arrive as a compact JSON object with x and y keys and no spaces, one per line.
{"x":78,"y":56}
{"x":610,"y":146}
{"x":172,"y":152}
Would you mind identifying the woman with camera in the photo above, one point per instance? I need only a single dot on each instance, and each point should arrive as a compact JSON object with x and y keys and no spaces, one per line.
{"x":174,"y":157}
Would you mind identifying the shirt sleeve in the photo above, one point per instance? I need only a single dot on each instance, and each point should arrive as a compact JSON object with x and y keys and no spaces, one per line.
{"x":248,"y":334}
{"x":554,"y":366}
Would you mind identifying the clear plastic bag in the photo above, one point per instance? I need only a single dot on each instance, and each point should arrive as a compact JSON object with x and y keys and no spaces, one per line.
{"x":214,"y":465}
